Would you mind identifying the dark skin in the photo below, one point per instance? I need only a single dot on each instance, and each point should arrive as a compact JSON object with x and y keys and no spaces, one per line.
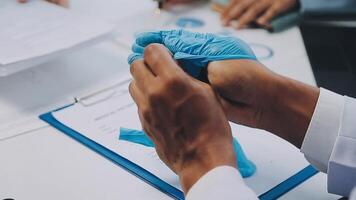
{"x":254,"y":96}
{"x":188,"y":119}
{"x":173,"y":112}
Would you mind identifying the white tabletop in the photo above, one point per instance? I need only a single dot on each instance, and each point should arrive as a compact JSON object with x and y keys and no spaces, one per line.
{"x":46,"y":164}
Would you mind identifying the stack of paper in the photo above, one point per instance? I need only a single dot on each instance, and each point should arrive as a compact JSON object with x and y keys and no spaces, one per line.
{"x":38,"y":31}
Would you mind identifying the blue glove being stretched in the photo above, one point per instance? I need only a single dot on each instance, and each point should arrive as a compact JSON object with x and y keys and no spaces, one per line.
{"x":193,"y":51}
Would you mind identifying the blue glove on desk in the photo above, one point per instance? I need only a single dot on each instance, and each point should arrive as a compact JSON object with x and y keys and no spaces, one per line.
{"x":193,"y":51}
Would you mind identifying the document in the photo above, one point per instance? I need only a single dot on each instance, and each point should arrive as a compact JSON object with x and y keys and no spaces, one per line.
{"x":37,"y":31}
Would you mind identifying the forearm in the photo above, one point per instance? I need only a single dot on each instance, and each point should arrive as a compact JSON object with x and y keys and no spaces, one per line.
{"x":291,"y":110}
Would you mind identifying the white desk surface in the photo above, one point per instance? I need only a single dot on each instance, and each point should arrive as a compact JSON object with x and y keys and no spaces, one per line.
{"x":46,"y":164}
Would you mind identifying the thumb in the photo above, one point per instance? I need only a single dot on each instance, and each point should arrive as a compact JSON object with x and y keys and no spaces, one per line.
{"x":239,"y":113}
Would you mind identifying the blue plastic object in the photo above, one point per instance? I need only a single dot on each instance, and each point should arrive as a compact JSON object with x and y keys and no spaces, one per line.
{"x":187,"y":22}
{"x":289,"y":184}
{"x":246,"y":167}
{"x":193,"y":51}
{"x":135,"y":136}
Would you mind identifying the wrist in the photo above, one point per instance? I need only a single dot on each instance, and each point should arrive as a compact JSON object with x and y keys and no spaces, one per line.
{"x":291,"y":109}
{"x":205,"y":159}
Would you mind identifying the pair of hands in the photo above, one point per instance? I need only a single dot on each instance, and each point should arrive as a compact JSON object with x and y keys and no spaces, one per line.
{"x":63,"y":3}
{"x":250,"y":11}
{"x":188,"y":119}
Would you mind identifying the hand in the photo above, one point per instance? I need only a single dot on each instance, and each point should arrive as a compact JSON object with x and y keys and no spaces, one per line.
{"x":260,"y":11}
{"x":63,"y":3}
{"x":194,"y":50}
{"x":181,"y":115}
{"x":254,"y":96}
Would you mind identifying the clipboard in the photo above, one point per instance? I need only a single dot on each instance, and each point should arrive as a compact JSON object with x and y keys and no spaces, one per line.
{"x":143,"y":174}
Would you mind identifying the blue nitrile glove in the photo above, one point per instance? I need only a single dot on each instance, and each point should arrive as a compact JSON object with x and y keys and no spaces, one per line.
{"x":246,"y":167}
{"x":193,"y":51}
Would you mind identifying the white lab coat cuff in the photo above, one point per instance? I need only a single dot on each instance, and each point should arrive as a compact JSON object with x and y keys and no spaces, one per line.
{"x":223,"y":182}
{"x":342,"y":163}
{"x":323,"y":129}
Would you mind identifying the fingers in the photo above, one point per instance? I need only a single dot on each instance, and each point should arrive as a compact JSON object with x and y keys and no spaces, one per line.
{"x":272,"y":12}
{"x":141,"y":102}
{"x":142,"y":75}
{"x":136,"y":94}
{"x":260,"y":11}
{"x":63,"y":3}
{"x":160,"y":60}
{"x":240,"y":113}
{"x":267,"y":17}
{"x":234,"y":10}
{"x":252,"y":13}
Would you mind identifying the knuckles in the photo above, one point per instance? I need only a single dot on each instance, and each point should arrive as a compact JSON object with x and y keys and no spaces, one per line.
{"x":172,"y":82}
{"x":168,"y":87}
{"x":135,"y":66}
{"x":154,"y":51}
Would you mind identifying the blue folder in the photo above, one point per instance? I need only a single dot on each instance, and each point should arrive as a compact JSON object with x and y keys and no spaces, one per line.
{"x":155,"y":181}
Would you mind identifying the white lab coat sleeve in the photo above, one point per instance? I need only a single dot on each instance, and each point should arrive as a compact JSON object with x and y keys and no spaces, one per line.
{"x":342,"y":163}
{"x":330,"y":142}
{"x":223,"y":182}
{"x":323,"y":129}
